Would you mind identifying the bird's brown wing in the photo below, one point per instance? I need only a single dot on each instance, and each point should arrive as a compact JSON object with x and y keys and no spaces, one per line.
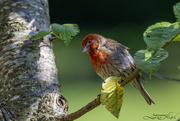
{"x":114,"y":45}
{"x":120,"y":53}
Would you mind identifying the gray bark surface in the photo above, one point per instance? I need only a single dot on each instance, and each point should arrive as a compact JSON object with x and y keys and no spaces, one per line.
{"x":29,"y":89}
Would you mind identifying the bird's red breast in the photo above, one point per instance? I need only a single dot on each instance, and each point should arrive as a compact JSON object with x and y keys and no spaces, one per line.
{"x":98,"y":58}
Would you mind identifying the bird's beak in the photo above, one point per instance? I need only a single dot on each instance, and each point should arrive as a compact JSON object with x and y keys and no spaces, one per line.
{"x":85,"y":49}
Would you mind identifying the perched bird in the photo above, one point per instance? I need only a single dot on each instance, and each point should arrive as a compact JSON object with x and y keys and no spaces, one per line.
{"x":110,"y":58}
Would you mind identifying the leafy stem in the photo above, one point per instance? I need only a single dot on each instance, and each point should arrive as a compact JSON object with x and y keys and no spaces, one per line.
{"x":63,"y":32}
{"x":167,"y":43}
{"x":138,"y":70}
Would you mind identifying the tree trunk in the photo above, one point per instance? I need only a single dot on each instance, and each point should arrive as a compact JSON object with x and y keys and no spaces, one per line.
{"x":29,"y":88}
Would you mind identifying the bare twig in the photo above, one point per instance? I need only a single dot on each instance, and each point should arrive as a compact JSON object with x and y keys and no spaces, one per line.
{"x":53,"y":38}
{"x":83,"y":110}
{"x":96,"y":102}
{"x":131,"y":77}
{"x":165,"y":77}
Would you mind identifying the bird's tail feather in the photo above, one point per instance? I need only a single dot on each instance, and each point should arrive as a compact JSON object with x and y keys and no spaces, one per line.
{"x":138,"y":85}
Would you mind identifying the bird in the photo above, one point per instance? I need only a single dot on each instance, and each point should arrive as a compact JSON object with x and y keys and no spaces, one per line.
{"x":111,"y":58}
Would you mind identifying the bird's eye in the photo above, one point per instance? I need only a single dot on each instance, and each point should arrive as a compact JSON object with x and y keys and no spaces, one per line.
{"x":89,"y":42}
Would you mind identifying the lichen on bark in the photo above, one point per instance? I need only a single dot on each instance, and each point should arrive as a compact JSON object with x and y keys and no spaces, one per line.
{"x":29,"y":89}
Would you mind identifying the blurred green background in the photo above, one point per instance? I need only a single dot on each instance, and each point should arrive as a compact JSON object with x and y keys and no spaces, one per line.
{"x":123,"y":21}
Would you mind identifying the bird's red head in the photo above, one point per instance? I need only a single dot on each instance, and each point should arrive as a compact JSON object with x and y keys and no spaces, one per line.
{"x":91,"y":42}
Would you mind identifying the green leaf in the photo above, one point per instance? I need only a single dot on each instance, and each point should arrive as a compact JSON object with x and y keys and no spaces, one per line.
{"x":143,"y":59}
{"x":150,"y":60}
{"x":65,"y":31}
{"x":41,"y":34}
{"x":176,"y":9}
{"x":160,"y":55}
{"x":112,"y":95}
{"x":157,"y":35}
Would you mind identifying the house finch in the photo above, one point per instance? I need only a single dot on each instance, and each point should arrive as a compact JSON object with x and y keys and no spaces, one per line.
{"x":110,"y":58}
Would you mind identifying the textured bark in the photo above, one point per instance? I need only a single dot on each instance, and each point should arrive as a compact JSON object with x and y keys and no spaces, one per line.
{"x":29,"y":88}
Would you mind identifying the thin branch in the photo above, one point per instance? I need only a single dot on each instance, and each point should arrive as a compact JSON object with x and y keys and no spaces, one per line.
{"x":131,"y":77}
{"x":96,"y":102}
{"x":165,"y":77}
{"x":83,"y":110}
{"x":53,"y":38}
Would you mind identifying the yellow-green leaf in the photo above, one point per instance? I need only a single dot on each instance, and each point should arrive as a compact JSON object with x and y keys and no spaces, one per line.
{"x":112,"y":95}
{"x":177,"y":37}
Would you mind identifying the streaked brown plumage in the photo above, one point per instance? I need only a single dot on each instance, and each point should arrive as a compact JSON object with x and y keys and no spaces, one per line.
{"x":110,"y":58}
